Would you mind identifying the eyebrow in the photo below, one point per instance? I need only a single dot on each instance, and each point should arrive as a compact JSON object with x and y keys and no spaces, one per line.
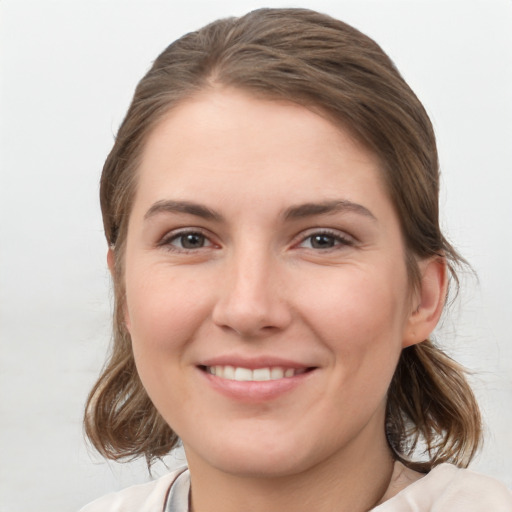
{"x":292,"y":213}
{"x":188,"y":207}
{"x":327,"y":207}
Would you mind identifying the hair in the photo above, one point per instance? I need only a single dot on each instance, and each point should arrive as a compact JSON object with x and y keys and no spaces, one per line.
{"x":321,"y":63}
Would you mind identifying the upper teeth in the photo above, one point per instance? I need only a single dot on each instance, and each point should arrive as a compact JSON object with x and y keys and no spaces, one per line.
{"x":258,"y":374}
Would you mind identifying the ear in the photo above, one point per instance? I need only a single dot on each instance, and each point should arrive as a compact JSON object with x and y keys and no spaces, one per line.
{"x":428,"y":301}
{"x":111,"y":262}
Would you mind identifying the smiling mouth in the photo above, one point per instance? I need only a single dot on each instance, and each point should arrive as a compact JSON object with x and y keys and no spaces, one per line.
{"x":241,"y":374}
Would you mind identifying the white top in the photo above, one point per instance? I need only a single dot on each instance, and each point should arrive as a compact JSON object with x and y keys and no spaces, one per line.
{"x":445,"y":489}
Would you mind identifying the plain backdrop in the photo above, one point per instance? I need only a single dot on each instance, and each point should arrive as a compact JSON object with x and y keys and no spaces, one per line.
{"x":68,"y":69}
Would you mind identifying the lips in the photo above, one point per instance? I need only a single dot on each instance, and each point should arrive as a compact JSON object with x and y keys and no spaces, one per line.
{"x":254,"y":380}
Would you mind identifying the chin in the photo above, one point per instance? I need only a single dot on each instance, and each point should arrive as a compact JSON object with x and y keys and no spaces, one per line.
{"x":258,"y":467}
{"x":256,"y":459}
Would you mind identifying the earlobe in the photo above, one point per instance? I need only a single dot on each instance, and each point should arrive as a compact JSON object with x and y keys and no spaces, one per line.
{"x":428,"y":302}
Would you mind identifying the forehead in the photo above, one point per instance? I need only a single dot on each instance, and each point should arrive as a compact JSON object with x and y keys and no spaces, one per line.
{"x":228,"y":131}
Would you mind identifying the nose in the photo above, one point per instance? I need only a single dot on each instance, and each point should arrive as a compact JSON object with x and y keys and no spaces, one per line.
{"x":252,"y":297}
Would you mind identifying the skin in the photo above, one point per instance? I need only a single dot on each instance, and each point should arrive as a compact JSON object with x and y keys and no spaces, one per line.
{"x":266,"y":281}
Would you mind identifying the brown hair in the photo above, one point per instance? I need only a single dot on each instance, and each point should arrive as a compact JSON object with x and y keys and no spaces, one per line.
{"x":324,"y":64}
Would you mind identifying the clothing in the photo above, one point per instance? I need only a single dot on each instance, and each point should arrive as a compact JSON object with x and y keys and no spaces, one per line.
{"x":450,"y":489}
{"x":445,"y":489}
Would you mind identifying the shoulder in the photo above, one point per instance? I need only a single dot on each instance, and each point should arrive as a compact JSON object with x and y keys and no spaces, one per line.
{"x":471,"y":491}
{"x":451,"y":489}
{"x":148,"y":497}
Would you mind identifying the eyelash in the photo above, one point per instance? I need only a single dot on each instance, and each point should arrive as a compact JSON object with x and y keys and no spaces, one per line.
{"x":338,"y":239}
{"x":167,"y":241}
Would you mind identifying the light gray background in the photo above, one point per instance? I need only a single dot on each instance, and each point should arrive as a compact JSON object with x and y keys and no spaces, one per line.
{"x":68,"y":69}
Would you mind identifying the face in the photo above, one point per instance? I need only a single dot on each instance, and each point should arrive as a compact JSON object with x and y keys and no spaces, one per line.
{"x":266,"y":290}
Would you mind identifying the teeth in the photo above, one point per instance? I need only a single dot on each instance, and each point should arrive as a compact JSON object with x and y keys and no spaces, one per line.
{"x":276,"y":373}
{"x":243,"y":374}
{"x":259,"y":374}
{"x":227,"y":372}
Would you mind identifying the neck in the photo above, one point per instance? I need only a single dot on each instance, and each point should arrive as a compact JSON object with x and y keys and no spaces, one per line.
{"x":354,"y":481}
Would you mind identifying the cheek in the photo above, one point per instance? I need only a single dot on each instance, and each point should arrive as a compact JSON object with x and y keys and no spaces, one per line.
{"x":360,"y":318}
{"x":164,"y":319}
{"x":357,"y":305}
{"x":166,"y":310}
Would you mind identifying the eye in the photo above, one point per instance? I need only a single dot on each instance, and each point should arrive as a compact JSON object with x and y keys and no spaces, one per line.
{"x":325,"y":240}
{"x":186,"y":241}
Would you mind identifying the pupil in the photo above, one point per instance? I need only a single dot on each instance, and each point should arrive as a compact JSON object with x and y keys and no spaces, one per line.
{"x":322,"y":241}
{"x":192,"y":241}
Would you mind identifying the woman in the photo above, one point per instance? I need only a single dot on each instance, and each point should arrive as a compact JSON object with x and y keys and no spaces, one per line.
{"x":271,"y":209}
